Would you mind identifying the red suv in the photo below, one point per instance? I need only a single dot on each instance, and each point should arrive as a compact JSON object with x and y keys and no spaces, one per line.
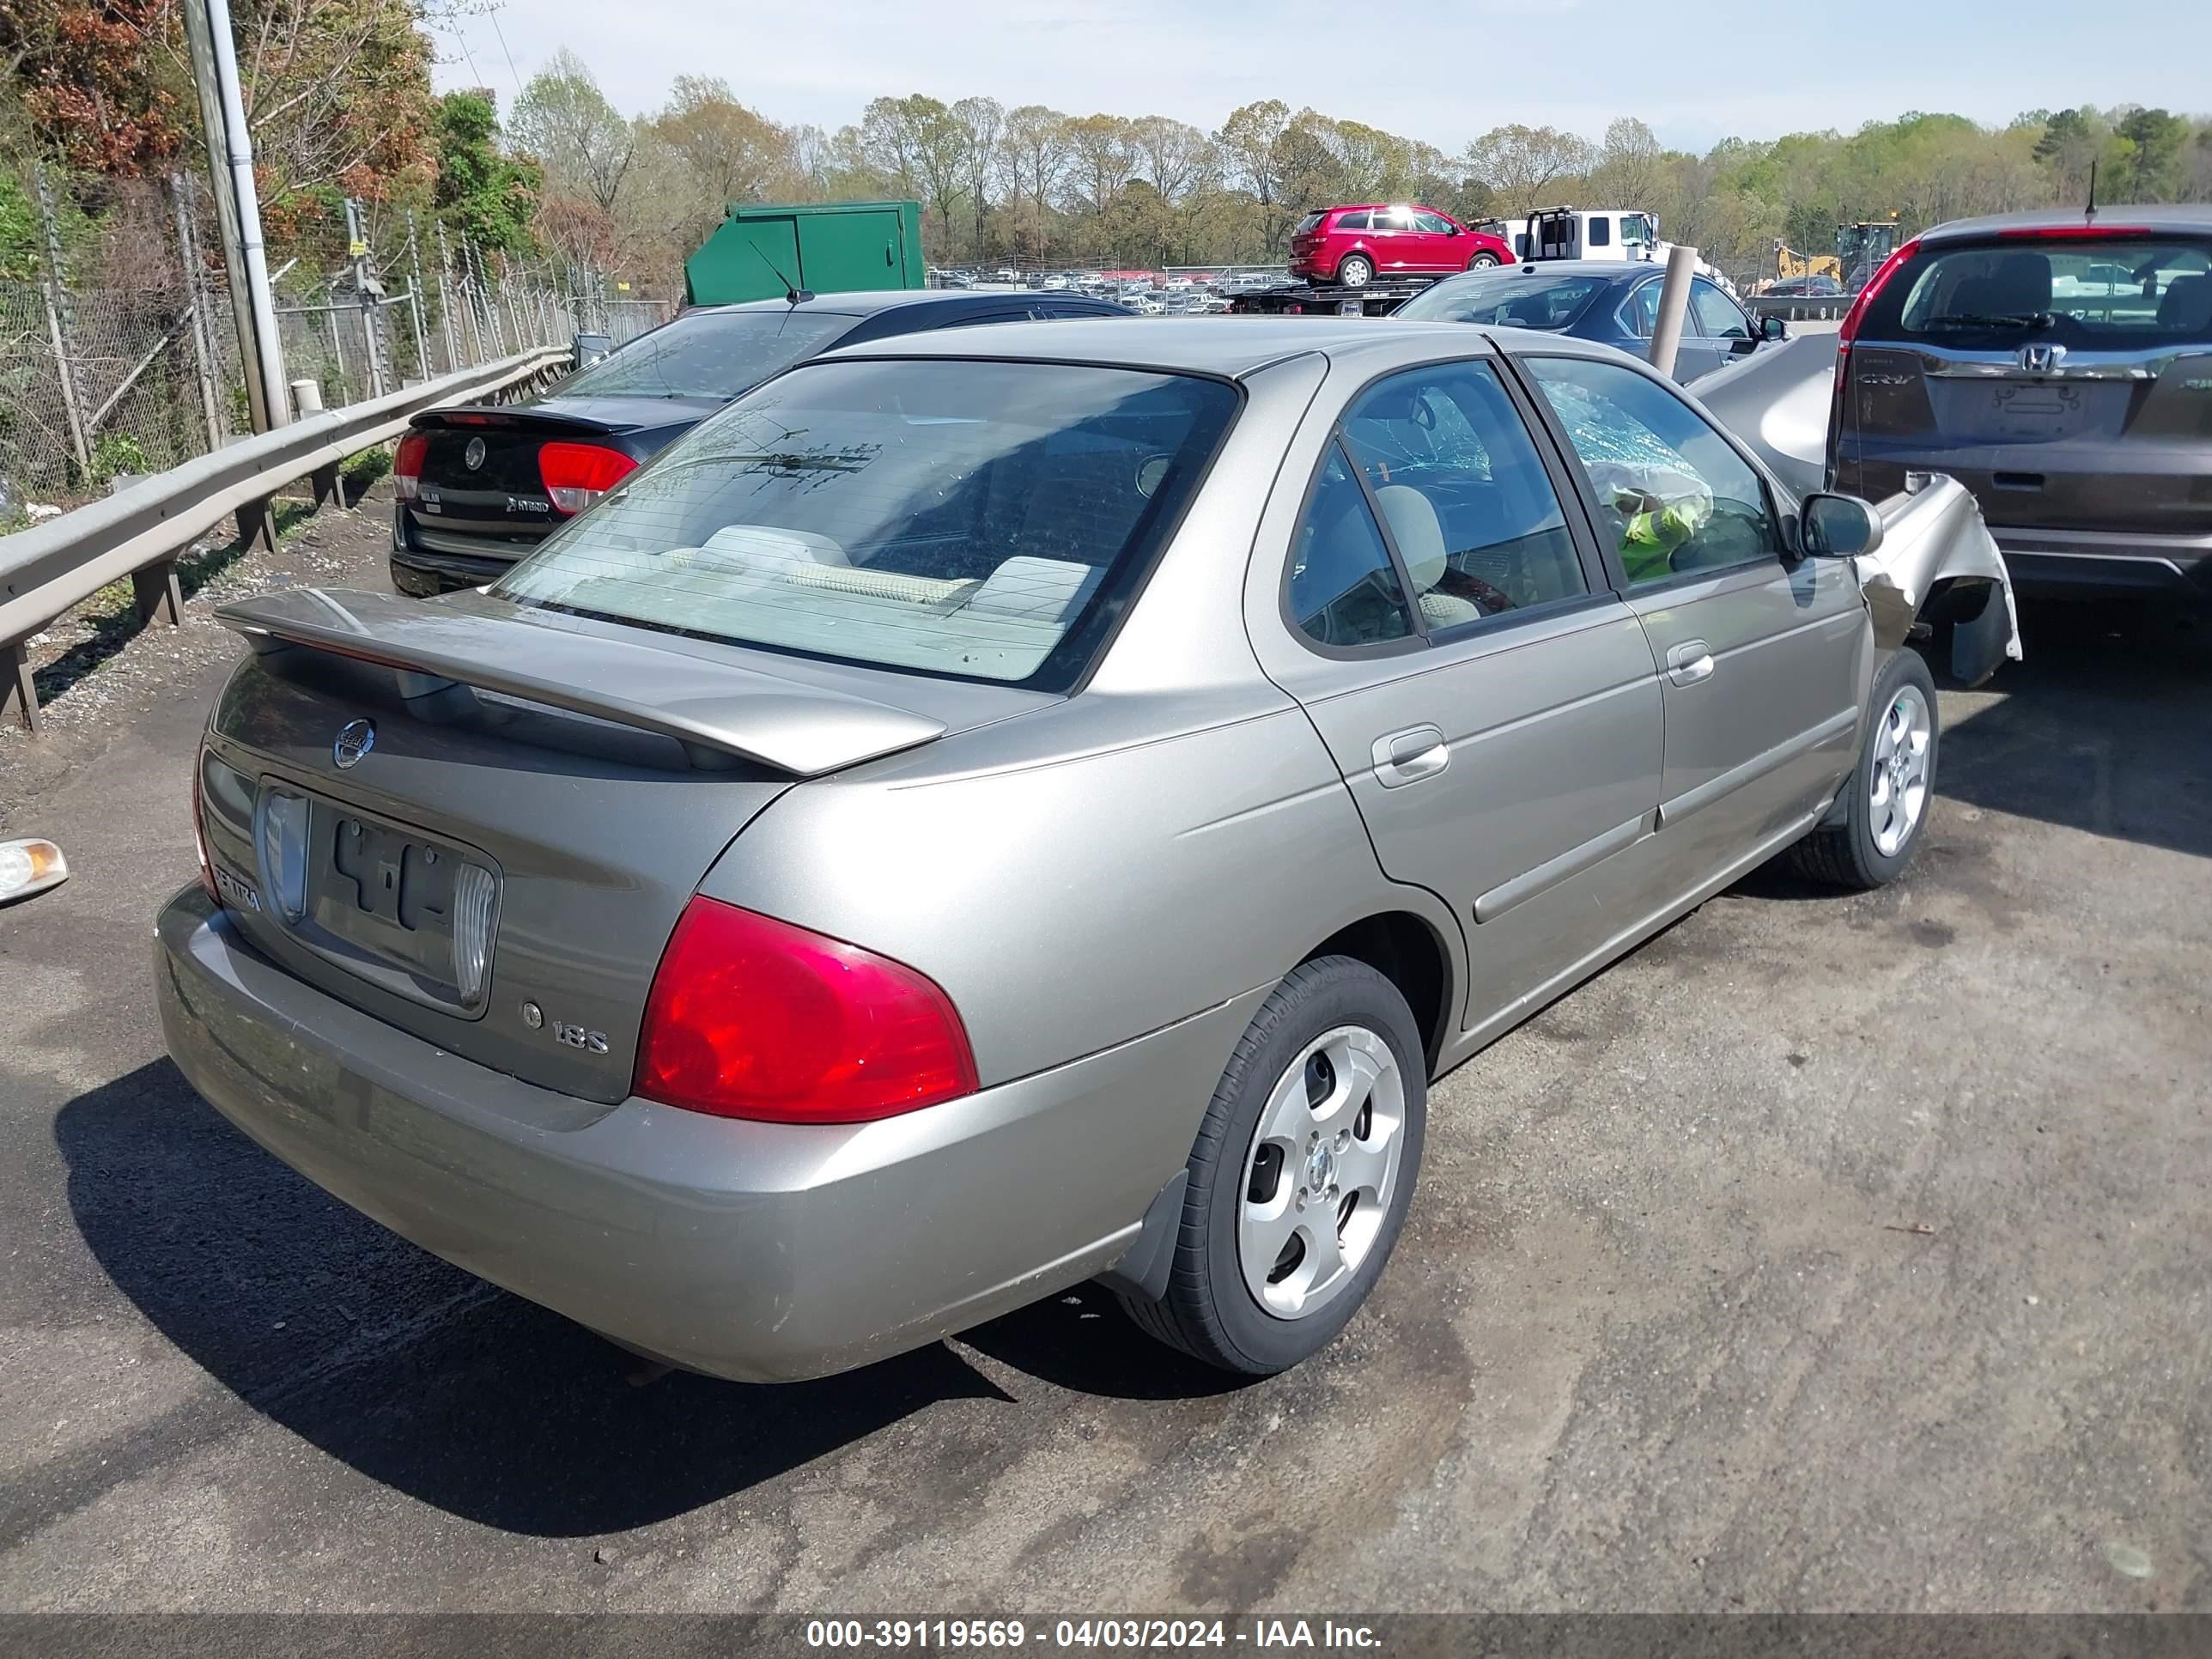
{"x":1355,"y":244}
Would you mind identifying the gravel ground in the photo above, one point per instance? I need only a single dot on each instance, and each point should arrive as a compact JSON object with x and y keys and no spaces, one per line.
{"x":1825,"y":1253}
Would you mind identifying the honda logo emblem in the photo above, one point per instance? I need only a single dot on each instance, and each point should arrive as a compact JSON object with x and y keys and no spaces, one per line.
{"x":2041,"y":359}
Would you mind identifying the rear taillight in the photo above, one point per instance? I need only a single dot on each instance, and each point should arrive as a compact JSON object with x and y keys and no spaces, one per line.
{"x":753,"y":1018}
{"x":576,"y":475}
{"x":199,"y":831}
{"x":407,"y":465}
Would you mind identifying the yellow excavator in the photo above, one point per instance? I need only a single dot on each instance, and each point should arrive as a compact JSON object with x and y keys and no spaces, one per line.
{"x":1860,"y":250}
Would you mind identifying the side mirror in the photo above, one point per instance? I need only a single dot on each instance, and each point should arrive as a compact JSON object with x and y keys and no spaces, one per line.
{"x":1773,"y":328}
{"x":1453,"y":230}
{"x":1837,"y":526}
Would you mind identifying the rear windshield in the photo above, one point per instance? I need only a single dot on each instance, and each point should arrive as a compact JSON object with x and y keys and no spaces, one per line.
{"x":1503,"y":298}
{"x":1307,"y":223}
{"x":986,"y":521}
{"x":2106,"y":292}
{"x":710,"y":354}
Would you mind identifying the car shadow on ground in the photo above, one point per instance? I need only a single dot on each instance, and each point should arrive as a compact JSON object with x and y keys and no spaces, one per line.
{"x":2104,"y":727}
{"x":426,"y":1379}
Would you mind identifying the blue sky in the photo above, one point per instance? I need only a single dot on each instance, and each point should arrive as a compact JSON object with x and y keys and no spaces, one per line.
{"x":1697,"y":72}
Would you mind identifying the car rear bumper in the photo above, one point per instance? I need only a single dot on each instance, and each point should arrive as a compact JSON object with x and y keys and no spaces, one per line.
{"x":426,"y":563}
{"x":755,"y":1251}
{"x":2085,"y":563}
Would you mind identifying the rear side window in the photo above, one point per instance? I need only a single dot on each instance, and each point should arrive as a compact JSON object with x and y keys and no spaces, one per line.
{"x":1352,"y":222}
{"x":1344,"y":590}
{"x":1518,"y":298}
{"x":710,"y":354}
{"x":1601,"y":233}
{"x":986,"y":520}
{"x":2112,"y":294}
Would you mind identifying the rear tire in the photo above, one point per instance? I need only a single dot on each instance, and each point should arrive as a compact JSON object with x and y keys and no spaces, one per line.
{"x":1318,"y":1124}
{"x":1891,"y":789}
{"x":1483,"y":261}
{"x":1355,"y":270}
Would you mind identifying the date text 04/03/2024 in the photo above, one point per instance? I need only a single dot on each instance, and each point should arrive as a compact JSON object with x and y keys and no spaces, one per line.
{"x":1109,"y":1632}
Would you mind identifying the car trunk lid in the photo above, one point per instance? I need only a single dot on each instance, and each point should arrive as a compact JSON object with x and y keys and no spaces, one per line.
{"x":388,"y":786}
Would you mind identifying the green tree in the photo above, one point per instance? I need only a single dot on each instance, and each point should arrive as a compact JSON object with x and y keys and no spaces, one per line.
{"x":482,"y":192}
{"x":2157,"y":163}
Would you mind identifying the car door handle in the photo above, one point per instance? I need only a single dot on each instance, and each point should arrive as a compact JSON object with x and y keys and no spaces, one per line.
{"x":1690,"y":662}
{"x":1408,"y":756}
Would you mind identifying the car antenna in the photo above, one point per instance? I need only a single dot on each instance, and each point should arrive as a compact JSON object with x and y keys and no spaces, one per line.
{"x":2090,"y":211}
{"x":792,"y":294}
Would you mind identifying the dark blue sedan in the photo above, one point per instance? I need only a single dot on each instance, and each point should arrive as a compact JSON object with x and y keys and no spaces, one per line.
{"x":1616,"y":303}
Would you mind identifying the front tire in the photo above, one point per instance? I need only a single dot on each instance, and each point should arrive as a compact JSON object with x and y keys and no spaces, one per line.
{"x":1302,"y":1176}
{"x":1355,"y":270}
{"x":1891,"y":788}
{"x":1483,"y":261}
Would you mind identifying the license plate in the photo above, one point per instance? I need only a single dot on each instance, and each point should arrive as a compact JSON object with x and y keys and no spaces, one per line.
{"x":2036,"y":412}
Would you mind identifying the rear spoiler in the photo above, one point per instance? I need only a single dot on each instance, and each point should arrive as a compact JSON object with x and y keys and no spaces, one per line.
{"x":490,"y":416}
{"x":441,"y":653}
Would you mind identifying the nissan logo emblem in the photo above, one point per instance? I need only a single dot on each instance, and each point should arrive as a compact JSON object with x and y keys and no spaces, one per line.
{"x":472,"y":456}
{"x":355,"y":739}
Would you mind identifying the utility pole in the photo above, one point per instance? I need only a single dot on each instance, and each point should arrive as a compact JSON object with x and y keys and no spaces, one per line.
{"x":237,"y":207}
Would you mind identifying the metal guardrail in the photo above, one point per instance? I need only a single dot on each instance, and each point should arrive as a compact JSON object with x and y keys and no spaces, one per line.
{"x":1800,"y":307}
{"x":52,"y":567}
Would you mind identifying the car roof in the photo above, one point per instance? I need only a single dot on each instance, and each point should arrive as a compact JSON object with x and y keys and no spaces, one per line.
{"x":870,"y":303}
{"x":1231,"y":347}
{"x":2188,"y":219}
{"x":1618,"y":270}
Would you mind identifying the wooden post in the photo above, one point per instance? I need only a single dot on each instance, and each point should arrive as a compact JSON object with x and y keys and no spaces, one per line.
{"x":156,"y":591}
{"x":60,"y":323}
{"x":195,"y":296}
{"x":18,"y":686}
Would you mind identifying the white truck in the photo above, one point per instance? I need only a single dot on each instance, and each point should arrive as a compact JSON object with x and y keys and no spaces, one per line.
{"x":1615,"y":234}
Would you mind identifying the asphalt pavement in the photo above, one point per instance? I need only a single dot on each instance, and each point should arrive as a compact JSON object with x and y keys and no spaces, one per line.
{"x":1827,"y":1253}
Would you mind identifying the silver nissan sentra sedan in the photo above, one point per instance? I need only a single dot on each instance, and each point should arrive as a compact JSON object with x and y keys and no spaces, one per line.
{"x":989,"y":811}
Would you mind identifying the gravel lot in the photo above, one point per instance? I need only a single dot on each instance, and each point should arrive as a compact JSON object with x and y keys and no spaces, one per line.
{"x":1825,"y":1253}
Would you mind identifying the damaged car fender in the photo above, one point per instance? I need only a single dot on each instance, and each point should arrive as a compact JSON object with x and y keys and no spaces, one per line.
{"x":1934,"y":541}
{"x":1932,"y":535}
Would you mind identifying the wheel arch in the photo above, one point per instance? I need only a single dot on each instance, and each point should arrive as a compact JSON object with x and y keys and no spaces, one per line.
{"x":1406,"y":950}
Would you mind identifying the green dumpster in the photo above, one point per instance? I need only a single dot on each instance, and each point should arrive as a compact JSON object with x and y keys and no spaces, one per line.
{"x":761,"y":253}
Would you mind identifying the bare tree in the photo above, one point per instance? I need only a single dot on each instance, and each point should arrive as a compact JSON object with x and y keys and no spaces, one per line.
{"x":1033,"y":158}
{"x":1519,"y":162}
{"x":980,"y":121}
{"x":567,"y":123}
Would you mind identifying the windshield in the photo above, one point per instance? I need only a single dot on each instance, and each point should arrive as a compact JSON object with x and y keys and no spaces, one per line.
{"x":2104,"y":292}
{"x":988,"y":520}
{"x":1505,"y":298}
{"x":710,"y":354}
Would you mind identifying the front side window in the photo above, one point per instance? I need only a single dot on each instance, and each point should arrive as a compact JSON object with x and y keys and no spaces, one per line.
{"x":1674,"y":494}
{"x":1716,"y":312}
{"x":710,"y":354}
{"x":984,"y":519}
{"x":1344,"y":590}
{"x":1435,"y":223}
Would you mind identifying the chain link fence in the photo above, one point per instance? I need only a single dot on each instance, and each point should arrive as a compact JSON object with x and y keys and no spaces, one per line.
{"x":121,"y":358}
